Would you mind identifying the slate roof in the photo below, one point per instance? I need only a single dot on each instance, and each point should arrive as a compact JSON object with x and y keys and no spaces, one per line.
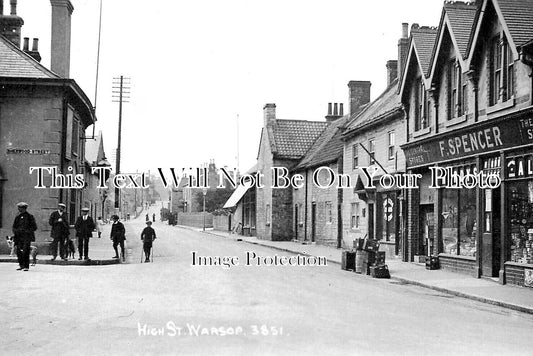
{"x":328,"y":147}
{"x":17,"y":64}
{"x":386,"y":104}
{"x":461,"y":16}
{"x":291,"y":139}
{"x":518,"y":15}
{"x":424,"y":41}
{"x":92,"y":149}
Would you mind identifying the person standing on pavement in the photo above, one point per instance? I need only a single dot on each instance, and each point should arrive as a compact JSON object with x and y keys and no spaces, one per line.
{"x":99,"y":226}
{"x":84,"y":231}
{"x":153,"y":217}
{"x":60,"y":231}
{"x":24,"y":228}
{"x":148,"y":236}
{"x":118,"y":235}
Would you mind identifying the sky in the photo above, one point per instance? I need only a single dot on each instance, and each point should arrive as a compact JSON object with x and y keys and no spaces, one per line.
{"x":201,"y":71}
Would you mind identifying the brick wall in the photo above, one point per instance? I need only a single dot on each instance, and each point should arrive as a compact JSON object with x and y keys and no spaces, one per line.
{"x":221,"y":222}
{"x":195,"y":219}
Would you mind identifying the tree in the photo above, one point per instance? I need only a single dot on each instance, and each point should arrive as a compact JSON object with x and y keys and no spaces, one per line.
{"x":214,"y":199}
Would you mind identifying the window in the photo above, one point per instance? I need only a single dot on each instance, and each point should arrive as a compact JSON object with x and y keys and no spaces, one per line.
{"x":267,"y":217}
{"x":371,"y":150}
{"x":421,"y":117}
{"x":502,"y":70}
{"x":391,"y":140}
{"x":75,"y":137}
{"x":355,"y":155}
{"x":329,"y":212}
{"x":457,"y":93}
{"x":355,"y":218}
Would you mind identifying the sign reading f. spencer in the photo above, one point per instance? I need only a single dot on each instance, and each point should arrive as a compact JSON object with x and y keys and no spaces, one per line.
{"x":482,"y":138}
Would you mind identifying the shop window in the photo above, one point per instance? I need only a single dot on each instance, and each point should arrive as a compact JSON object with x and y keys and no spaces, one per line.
{"x":521,"y":221}
{"x":391,"y":150}
{"x":459,"y":225}
{"x":329,"y":212}
{"x":386,"y":217}
{"x":371,"y":150}
{"x":355,"y":155}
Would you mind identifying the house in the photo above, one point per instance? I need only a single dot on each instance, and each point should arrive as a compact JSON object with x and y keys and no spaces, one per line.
{"x":478,"y":91}
{"x":43,"y":117}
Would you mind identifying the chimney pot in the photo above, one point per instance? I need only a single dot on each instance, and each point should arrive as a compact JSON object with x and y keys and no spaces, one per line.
{"x":13,"y":7}
{"x":26,"y":44}
{"x":35,"y":45}
{"x":1,"y":7}
{"x":329,"y":109}
{"x":335,"y":110}
{"x":405,"y":30}
{"x":341,"y":110}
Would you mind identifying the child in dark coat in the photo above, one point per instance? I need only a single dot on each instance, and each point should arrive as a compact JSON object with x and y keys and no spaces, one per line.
{"x":148,"y":236}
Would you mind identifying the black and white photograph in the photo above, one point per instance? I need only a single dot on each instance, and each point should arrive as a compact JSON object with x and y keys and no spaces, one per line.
{"x":280,"y":177}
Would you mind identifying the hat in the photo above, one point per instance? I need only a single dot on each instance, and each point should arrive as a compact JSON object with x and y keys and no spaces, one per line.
{"x":114,"y":217}
{"x":84,"y":209}
{"x":61,"y":204}
{"x":22,"y":205}
{"x":149,"y":222}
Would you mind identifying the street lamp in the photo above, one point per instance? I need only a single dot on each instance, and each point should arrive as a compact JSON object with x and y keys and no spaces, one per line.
{"x":204,"y":192}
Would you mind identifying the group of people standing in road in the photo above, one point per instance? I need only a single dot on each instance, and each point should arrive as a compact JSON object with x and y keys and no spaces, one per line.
{"x":24,"y":228}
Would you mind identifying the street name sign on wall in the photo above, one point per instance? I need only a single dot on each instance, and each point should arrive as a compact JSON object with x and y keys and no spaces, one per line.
{"x":485,"y":137}
{"x":27,"y":151}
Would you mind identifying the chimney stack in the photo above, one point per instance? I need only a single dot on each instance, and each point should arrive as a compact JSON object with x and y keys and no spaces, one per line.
{"x":359,"y":94}
{"x":392,"y":71}
{"x":60,"y":48}
{"x":403,"y":47}
{"x":35,"y":50}
{"x":10,"y":25}
{"x":269,"y":115}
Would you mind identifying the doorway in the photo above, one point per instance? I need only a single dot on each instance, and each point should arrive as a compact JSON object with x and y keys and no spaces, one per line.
{"x":426,"y":231}
{"x":491,"y":237}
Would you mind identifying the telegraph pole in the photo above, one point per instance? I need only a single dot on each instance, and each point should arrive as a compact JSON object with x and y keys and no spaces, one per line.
{"x":121,"y":86}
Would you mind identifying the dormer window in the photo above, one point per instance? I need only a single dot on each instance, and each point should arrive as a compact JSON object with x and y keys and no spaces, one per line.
{"x":501,"y":70}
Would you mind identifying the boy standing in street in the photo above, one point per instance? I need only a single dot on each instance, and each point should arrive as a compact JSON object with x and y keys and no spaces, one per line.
{"x":148,"y":236}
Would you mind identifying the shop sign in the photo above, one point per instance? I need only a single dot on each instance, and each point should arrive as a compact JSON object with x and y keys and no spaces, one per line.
{"x":519,"y":167}
{"x":470,"y":141}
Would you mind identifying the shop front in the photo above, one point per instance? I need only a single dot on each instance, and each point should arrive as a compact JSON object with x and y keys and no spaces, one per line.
{"x":482,"y":225}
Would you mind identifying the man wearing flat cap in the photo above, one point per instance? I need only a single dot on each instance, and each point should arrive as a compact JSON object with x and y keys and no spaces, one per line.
{"x":60,"y":231}
{"x":84,"y":231}
{"x":24,"y":228}
{"x":118,"y":235}
{"x":148,"y":236}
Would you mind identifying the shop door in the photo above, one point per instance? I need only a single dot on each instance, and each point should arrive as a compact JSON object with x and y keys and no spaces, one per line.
{"x":296,"y":221}
{"x":313,"y":222}
{"x":371,"y":221}
{"x":491,"y":239}
{"x":427,"y":231}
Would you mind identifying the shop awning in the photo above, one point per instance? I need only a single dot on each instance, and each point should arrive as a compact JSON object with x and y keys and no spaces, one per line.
{"x":236,"y":197}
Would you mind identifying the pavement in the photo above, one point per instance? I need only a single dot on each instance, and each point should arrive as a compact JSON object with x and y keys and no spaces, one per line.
{"x":100,"y":252}
{"x":461,"y":285}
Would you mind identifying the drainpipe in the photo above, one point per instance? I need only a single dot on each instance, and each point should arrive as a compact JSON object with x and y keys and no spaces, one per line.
{"x":305,"y":203}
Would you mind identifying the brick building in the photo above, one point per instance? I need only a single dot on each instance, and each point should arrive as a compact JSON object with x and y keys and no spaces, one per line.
{"x":317,"y":211}
{"x":476,"y":118}
{"x":43,"y":117}
{"x":94,"y":198}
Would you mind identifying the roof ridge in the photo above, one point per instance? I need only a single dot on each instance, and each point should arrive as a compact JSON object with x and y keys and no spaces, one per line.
{"x":25,"y":56}
{"x":294,"y":120}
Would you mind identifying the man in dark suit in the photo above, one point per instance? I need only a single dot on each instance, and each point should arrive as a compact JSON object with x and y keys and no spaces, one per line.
{"x":60,"y":231}
{"x":24,"y":227}
{"x":84,"y":231}
{"x":118,"y":235}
